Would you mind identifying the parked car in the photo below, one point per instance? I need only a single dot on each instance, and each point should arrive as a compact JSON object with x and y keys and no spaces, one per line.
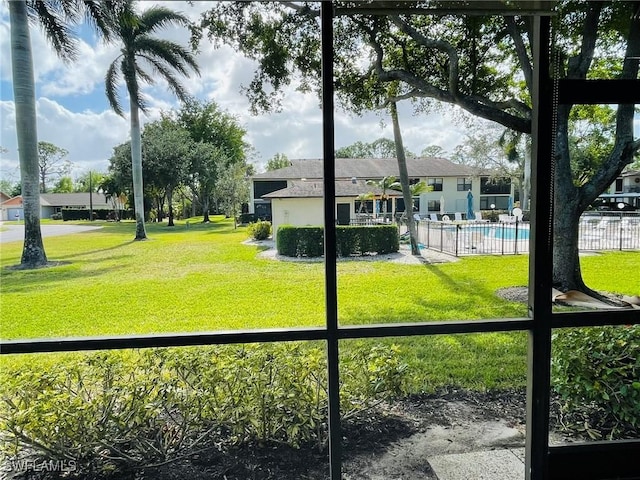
{"x":603,"y":205}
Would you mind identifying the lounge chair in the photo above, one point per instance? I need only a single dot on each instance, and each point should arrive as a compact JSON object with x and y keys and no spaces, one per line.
{"x":433,"y":217}
{"x":457,"y":216}
{"x":479,"y":218}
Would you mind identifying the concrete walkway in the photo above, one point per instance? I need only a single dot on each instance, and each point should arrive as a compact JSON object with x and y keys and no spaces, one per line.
{"x":506,"y":464}
{"x":15,"y":233}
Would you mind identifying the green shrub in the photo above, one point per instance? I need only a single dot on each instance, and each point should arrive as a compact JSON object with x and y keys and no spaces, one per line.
{"x":350,"y":240}
{"x":596,"y":371}
{"x":246,"y":218}
{"x":260,"y":230}
{"x":310,"y":241}
{"x":287,"y":240}
{"x":116,"y":411}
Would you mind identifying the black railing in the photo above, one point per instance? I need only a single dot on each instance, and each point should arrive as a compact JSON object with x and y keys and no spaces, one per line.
{"x":596,"y":233}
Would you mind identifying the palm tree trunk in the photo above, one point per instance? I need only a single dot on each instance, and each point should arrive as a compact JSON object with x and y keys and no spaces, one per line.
{"x":404,"y":180}
{"x":33,"y":254}
{"x":136,"y":170}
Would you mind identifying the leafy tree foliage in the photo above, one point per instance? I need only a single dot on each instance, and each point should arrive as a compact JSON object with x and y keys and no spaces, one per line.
{"x":173,"y":159}
{"x":52,"y":164}
{"x":221,"y":146}
{"x":89,"y":181}
{"x":166,"y":150}
{"x":380,"y":148}
{"x":490,"y":150}
{"x":278,"y":161}
{"x":64,"y":185}
{"x":481,"y":64}
{"x":232,"y":190}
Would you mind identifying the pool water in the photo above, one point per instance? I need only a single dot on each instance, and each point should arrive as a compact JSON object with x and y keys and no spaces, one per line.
{"x":501,"y":232}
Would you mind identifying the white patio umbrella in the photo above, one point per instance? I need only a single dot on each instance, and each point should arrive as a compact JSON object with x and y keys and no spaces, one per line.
{"x":442,"y":205}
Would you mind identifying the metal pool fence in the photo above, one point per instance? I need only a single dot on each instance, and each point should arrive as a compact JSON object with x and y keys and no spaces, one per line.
{"x":596,"y":233}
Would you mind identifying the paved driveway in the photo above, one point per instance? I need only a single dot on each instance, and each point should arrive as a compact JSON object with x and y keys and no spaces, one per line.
{"x":14,"y":233}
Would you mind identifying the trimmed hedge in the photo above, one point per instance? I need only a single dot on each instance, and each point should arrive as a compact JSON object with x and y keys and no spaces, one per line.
{"x":83,"y":214}
{"x":308,"y":241}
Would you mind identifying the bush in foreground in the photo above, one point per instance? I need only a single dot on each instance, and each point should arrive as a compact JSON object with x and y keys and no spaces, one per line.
{"x":596,"y":371}
{"x":121,"y":411}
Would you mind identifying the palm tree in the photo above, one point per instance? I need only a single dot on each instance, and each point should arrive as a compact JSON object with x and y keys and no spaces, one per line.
{"x":54,"y":17}
{"x":140,"y":49}
{"x":384,"y":184}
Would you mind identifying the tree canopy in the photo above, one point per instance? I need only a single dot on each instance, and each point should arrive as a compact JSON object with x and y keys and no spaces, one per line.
{"x":380,"y":148}
{"x":481,"y":64}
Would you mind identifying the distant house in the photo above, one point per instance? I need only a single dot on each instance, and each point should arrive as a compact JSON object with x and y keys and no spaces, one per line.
{"x":301,"y":202}
{"x":293,"y":194}
{"x":625,"y":189}
{"x":51,"y":203}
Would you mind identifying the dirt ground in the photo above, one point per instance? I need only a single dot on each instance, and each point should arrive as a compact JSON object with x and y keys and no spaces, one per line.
{"x":392,"y":442}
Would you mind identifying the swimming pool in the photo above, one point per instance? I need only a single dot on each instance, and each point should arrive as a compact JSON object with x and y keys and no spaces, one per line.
{"x":506,"y":232}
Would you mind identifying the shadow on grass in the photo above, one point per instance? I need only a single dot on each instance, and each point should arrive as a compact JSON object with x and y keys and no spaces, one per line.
{"x":99,"y":250}
{"x":26,"y":281}
{"x":453,"y":303}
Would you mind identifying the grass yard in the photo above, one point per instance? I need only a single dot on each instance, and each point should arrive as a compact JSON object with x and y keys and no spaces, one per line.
{"x":200,"y":277}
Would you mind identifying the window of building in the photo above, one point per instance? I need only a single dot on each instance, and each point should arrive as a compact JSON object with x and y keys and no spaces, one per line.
{"x":433,"y":205}
{"x":261,"y":188}
{"x":435,"y":184}
{"x":619,"y":185}
{"x":363,"y":206}
{"x":498,"y":202}
{"x":464,"y":184}
{"x":400,"y":204}
{"x":491,"y":185}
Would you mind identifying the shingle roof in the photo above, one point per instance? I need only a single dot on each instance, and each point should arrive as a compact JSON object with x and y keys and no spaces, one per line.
{"x":98,"y":200}
{"x":347,"y":168}
{"x":344,"y":188}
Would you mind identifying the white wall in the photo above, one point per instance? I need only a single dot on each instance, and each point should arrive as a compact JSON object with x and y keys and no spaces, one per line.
{"x":296,"y":211}
{"x":302,"y":211}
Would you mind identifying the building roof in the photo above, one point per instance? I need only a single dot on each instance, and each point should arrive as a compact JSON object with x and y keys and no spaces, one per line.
{"x":344,"y":188}
{"x":368,"y":168}
{"x":67,"y":200}
{"x":631,"y":173}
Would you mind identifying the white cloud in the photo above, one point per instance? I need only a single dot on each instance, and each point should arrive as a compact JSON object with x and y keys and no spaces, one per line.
{"x":88,"y":136}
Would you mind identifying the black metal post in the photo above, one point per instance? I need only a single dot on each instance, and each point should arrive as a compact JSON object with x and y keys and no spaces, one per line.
{"x":90,"y":198}
{"x":331,"y":301}
{"x":540,"y":259}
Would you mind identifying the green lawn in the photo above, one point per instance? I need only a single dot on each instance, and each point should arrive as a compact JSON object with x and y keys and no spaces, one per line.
{"x":201,"y":277}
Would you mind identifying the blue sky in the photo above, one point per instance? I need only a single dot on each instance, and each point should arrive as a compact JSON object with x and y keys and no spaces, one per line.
{"x":73,"y":112}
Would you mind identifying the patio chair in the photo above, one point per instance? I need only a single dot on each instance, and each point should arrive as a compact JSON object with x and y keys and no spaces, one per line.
{"x":479,"y":218}
{"x":457,"y":216}
{"x":433,"y":217}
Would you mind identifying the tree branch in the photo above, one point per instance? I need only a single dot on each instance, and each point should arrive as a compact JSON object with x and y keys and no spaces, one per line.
{"x":521,"y":51}
{"x":579,"y":66}
{"x":445,"y":47}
